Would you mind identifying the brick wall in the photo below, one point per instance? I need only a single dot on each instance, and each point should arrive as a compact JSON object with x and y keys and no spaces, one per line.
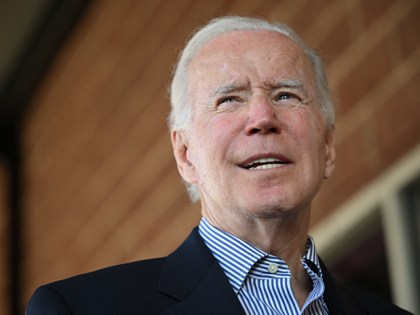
{"x":100,"y":182}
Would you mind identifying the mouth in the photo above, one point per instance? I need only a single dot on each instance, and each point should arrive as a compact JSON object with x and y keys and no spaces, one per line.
{"x":265,"y":163}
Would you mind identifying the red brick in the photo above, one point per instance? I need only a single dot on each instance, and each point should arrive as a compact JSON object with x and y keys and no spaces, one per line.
{"x":364,"y":77}
{"x":336,"y":41}
{"x":398,"y":122}
{"x":373,"y":9}
{"x":307,"y":15}
{"x":409,"y":32}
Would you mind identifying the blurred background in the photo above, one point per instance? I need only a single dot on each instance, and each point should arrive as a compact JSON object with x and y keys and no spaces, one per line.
{"x":87,"y":175}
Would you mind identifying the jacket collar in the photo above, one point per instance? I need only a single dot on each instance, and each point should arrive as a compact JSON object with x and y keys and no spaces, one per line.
{"x":192,"y":275}
{"x":338,"y":298}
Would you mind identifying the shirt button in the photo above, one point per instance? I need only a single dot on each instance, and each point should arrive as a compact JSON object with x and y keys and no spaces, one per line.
{"x":272,"y":268}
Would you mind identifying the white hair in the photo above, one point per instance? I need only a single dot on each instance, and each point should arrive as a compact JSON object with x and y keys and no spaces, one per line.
{"x":181,"y":114}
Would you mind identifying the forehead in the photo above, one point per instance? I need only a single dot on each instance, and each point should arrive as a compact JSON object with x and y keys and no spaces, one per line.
{"x":258,"y":40}
{"x":264,"y":54}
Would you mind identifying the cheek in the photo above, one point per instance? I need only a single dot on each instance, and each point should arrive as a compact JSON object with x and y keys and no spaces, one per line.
{"x":308,"y":133}
{"x":299,"y":126}
{"x":212,"y":142}
{"x":223,"y":130}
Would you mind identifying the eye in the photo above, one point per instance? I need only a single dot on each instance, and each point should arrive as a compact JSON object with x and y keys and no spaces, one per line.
{"x":285,"y":96}
{"x":226,"y":100}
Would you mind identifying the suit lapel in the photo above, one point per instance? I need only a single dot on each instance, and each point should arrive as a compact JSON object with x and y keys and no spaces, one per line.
{"x":339,"y":300}
{"x":193,"y":276}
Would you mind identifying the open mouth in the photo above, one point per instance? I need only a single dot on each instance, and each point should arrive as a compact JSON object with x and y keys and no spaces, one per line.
{"x":264,"y":163}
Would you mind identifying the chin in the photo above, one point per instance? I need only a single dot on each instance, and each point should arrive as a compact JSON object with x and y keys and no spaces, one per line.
{"x":269,"y":207}
{"x":276,"y":201}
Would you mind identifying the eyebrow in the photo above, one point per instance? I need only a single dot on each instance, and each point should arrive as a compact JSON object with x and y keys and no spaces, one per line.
{"x":291,"y":84}
{"x":233,"y":87}
{"x":227,"y":88}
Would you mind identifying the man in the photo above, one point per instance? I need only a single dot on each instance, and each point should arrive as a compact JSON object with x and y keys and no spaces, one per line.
{"x":252,"y":127}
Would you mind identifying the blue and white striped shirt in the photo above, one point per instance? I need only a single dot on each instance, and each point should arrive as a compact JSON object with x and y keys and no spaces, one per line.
{"x":262,"y":281}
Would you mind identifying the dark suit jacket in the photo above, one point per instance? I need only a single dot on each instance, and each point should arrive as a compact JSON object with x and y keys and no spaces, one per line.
{"x":188,"y":281}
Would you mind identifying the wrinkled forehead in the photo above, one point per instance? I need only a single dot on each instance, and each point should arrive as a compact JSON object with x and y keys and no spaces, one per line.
{"x":233,"y":44}
{"x":268,"y":53}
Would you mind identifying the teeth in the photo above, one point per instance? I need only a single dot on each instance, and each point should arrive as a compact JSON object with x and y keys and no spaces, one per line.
{"x":264,"y":166}
{"x":264,"y":161}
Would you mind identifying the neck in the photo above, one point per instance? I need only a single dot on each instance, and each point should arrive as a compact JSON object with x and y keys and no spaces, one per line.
{"x":284,"y":236}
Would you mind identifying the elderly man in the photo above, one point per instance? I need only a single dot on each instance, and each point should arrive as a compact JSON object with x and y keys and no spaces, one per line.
{"x":252,"y":127}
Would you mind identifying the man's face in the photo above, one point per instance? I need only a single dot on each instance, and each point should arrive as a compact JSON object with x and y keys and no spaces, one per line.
{"x":258,"y":143}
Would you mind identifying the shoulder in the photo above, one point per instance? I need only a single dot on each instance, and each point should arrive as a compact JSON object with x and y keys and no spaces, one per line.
{"x":339,"y":296}
{"x":376,"y":305}
{"x":139,"y":272}
{"x":107,"y":291}
{"x":140,"y":287}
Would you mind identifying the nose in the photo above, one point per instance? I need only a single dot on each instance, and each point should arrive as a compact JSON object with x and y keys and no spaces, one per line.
{"x":262,"y":117}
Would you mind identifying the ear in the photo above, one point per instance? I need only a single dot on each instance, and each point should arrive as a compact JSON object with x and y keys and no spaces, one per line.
{"x":181,"y":152}
{"x":330,"y":152}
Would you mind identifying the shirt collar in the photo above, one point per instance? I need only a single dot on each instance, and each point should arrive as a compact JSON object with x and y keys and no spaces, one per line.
{"x":237,"y":257}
